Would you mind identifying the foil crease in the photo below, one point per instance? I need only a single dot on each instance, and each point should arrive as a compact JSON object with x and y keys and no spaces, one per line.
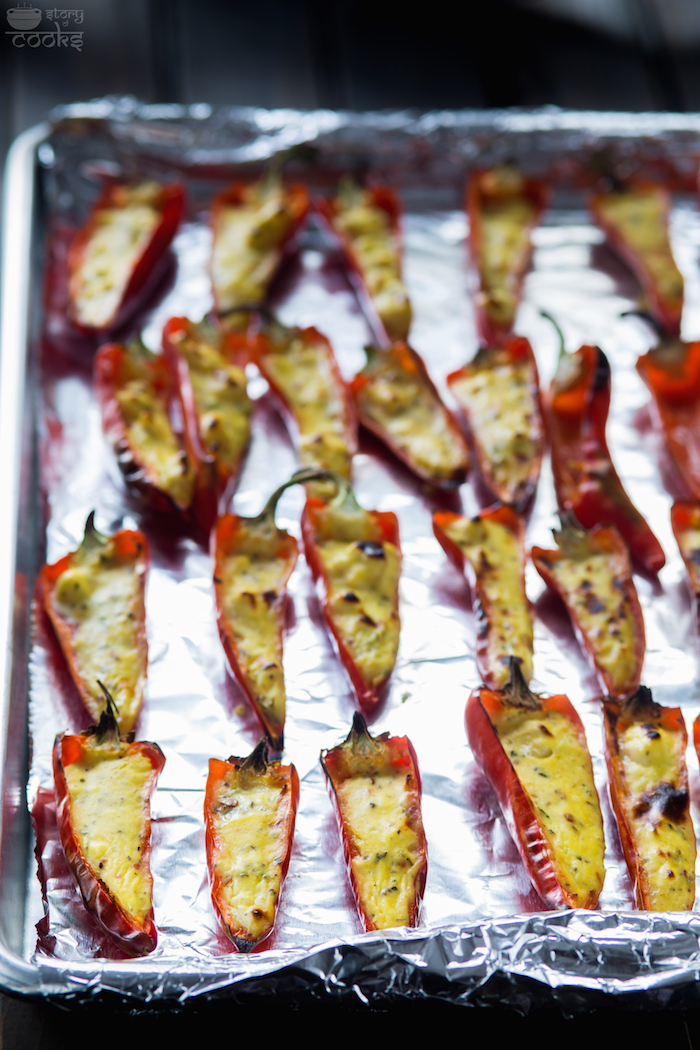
{"x":484,"y":937}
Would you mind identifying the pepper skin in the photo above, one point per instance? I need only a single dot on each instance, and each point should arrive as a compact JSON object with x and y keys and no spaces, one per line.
{"x":117,"y":254}
{"x":533,"y":752}
{"x":499,"y":393}
{"x":103,"y":787}
{"x":135,"y":390}
{"x":367,"y":225}
{"x":585,"y":479}
{"x":250,"y":808}
{"x":685,"y":522}
{"x":303,"y":374}
{"x":634,"y":218}
{"x":252,"y":227}
{"x":492,"y":548}
{"x":215,"y":408}
{"x":671,"y":370}
{"x":94,"y":598}
{"x":591,"y":573}
{"x":645,"y":753}
{"x":253,"y":561}
{"x":503,"y":207}
{"x":376,"y":790}
{"x":398,"y":402}
{"x":355,"y":557}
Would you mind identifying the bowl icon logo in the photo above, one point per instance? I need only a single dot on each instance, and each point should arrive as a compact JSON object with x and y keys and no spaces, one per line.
{"x":24,"y":18}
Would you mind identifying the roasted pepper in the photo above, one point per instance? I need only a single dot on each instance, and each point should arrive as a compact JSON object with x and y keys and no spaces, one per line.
{"x":355,"y":556}
{"x":253,"y":561}
{"x":376,"y":790}
{"x":103,"y":788}
{"x":94,"y":598}
{"x":532,"y":750}
{"x":591,"y":573}
{"x":116,"y":255}
{"x":367,"y":223}
{"x":300,"y":366}
{"x":252,"y":226}
{"x":635,"y":220}
{"x":503,"y":207}
{"x":492,"y":547}
{"x":397,"y":401}
{"x":685,"y":522}
{"x":250,"y":807}
{"x":499,"y":394}
{"x":214,"y":404}
{"x":645,"y":753}
{"x":135,"y":390}
{"x":585,"y":479}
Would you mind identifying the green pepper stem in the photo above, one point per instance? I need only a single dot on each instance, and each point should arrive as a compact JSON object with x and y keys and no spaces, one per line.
{"x":300,"y":477}
{"x":562,"y":345}
{"x":650,"y":320}
{"x":516,"y":691}
{"x":257,"y":760}
{"x":107,"y":729}
{"x":92,"y":539}
{"x":640,"y":703}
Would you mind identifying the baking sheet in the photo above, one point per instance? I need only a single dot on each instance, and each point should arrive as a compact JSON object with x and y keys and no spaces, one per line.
{"x":476,"y":882}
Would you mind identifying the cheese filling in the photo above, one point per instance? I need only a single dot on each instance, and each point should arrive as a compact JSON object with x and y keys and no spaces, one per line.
{"x":555,"y":770}
{"x":248,"y":240}
{"x":504,"y":253}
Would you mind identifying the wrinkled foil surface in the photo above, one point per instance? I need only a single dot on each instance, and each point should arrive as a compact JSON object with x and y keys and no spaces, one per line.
{"x":483,"y":927}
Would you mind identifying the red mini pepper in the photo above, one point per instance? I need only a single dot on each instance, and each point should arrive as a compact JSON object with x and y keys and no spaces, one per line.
{"x":355,"y":555}
{"x":250,"y":809}
{"x":499,"y":393}
{"x":397,"y":400}
{"x":533,"y":752}
{"x":503,"y":207}
{"x":135,"y":390}
{"x":117,"y":255}
{"x":103,"y":786}
{"x":585,"y":479}
{"x":376,"y":790}
{"x":685,"y":522}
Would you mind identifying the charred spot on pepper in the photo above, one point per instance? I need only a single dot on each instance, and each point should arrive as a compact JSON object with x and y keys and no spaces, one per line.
{"x":371,"y":549}
{"x":669,"y":802}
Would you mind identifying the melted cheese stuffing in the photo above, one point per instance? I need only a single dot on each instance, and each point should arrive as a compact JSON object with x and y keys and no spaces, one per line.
{"x":119,"y":239}
{"x":501,"y":605}
{"x":247,"y":247}
{"x":602,"y":611}
{"x":503,"y":254}
{"x":376,"y":252}
{"x":101,"y":597}
{"x":651,"y":757}
{"x":640,"y":219}
{"x":400,"y":404}
{"x":362,"y":577}
{"x":109,"y":793}
{"x":304,"y":374}
{"x":501,"y":405}
{"x":384,"y":847}
{"x":248,"y":820}
{"x":554,"y":768}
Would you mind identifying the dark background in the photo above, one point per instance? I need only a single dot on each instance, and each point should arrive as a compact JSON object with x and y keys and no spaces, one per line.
{"x":582,"y":54}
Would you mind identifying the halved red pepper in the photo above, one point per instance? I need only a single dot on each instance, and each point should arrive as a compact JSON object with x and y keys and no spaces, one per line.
{"x":491,"y":547}
{"x":499,"y":393}
{"x":300,"y":366}
{"x":685,"y":522}
{"x":634,"y":218}
{"x":591,"y":573}
{"x":253,"y":561}
{"x":532,"y":750}
{"x":376,"y":790}
{"x":94,"y":597}
{"x":135,"y":390}
{"x":645,"y":753}
{"x":397,"y":400}
{"x":503,"y":207}
{"x":671,"y":370}
{"x":250,"y":808}
{"x":103,"y":786}
{"x":585,"y":479}
{"x":367,"y":225}
{"x":117,"y":255}
{"x":215,"y":407}
{"x":355,"y":556}
{"x":253,"y":224}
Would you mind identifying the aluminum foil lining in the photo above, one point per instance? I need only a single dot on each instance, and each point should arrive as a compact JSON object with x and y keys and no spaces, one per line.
{"x":483,"y":928}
